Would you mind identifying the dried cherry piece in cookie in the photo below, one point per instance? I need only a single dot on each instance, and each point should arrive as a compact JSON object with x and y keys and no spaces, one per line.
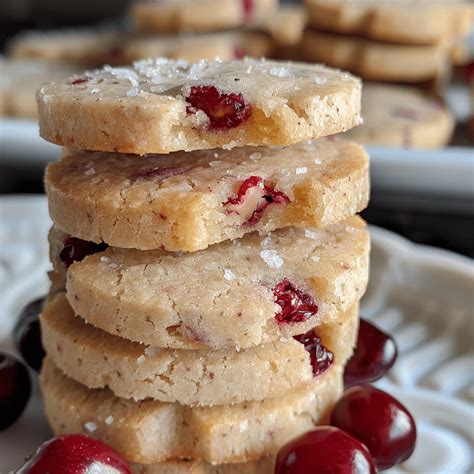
{"x":225,"y":111}
{"x":75,"y":250}
{"x":80,"y":80}
{"x":75,"y":454}
{"x":248,"y":7}
{"x":321,"y":357}
{"x":253,"y":196}
{"x":296,"y":305}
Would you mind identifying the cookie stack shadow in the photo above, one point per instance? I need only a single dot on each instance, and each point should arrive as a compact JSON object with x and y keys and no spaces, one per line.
{"x":204,"y":300}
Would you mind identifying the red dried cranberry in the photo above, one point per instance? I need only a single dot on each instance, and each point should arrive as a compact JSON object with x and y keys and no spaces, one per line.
{"x":75,"y":454}
{"x":253,"y":196}
{"x":374,"y":355}
{"x":321,"y":357}
{"x":248,"y":8}
{"x":81,"y":80}
{"x":224,"y":110}
{"x":296,"y":305}
{"x":158,"y":174}
{"x":75,"y":250}
{"x":380,"y":421}
{"x":27,"y":334}
{"x":325,"y":450}
{"x":15,"y":389}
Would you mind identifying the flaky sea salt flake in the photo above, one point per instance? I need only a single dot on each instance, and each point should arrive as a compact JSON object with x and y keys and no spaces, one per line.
{"x":271,"y":258}
{"x":90,"y":426}
{"x":301,"y":170}
{"x":229,"y":274}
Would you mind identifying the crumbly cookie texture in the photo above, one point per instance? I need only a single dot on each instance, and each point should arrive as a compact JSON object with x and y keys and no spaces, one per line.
{"x":199,"y":15}
{"x":264,"y":465}
{"x":161,"y":105}
{"x":148,"y":432}
{"x":376,"y":60}
{"x":19,"y":80}
{"x":402,"y":117}
{"x":234,"y":294}
{"x":406,"y":21}
{"x":188,"y":201}
{"x":190,"y":377}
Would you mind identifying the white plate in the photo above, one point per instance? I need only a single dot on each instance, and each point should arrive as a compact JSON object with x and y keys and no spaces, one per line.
{"x":422,"y":295}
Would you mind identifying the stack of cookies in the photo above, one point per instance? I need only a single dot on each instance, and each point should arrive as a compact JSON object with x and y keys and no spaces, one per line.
{"x":410,"y":42}
{"x":208,"y":262}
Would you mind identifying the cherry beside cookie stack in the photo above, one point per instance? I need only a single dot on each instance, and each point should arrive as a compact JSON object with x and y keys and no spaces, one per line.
{"x":208,"y":262}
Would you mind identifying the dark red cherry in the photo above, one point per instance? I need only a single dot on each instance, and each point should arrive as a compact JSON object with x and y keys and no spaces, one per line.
{"x":325,"y":450}
{"x":380,"y":421}
{"x":296,"y":305}
{"x":80,"y":80}
{"x":75,"y":250}
{"x":27,"y":334}
{"x":224,"y":110}
{"x":374,"y":355}
{"x":253,"y":196}
{"x":321,"y":357}
{"x":75,"y":454}
{"x":15,"y":389}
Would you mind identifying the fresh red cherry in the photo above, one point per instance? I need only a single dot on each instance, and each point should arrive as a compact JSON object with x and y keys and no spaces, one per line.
{"x":75,"y":250}
{"x":15,"y":389}
{"x":296,"y":305}
{"x":27,"y":334}
{"x":75,"y":454}
{"x":253,"y":196}
{"x":325,"y":450}
{"x":380,"y":421}
{"x":224,"y":110}
{"x":321,"y":357}
{"x":374,"y":355}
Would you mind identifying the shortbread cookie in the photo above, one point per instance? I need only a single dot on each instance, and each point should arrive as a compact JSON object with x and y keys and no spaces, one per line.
{"x":233,"y":294}
{"x":19,"y":81}
{"x":376,"y":60}
{"x":225,"y":46}
{"x":403,"y":117}
{"x":286,"y":25}
{"x":159,"y":106}
{"x":264,"y":465}
{"x":83,"y":48}
{"x":188,"y":201}
{"x":148,"y":432}
{"x":172,"y":16}
{"x":191,"y":377}
{"x":405,"y":21}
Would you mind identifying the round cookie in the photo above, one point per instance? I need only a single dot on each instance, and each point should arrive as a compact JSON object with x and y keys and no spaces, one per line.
{"x":160,"y":105}
{"x":405,"y":22}
{"x":376,"y":60}
{"x":20,"y":79}
{"x":172,"y":16}
{"x":131,"y":370}
{"x":234,"y":294}
{"x":149,"y":432}
{"x":286,"y":25}
{"x":402,"y":117}
{"x":79,"y":47}
{"x":188,"y":201}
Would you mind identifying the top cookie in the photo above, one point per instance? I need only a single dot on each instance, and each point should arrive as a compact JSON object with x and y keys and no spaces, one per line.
{"x":161,"y":105}
{"x":172,"y":16}
{"x":402,"y":21}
